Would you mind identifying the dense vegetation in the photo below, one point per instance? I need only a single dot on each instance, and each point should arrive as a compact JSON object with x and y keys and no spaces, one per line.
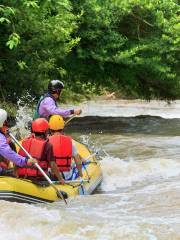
{"x":130,"y":46}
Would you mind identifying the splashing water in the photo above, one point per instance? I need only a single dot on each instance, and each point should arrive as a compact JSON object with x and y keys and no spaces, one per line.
{"x":139,"y":196}
{"x":94,"y":146}
{"x":24,"y":116}
{"x":121,"y":174}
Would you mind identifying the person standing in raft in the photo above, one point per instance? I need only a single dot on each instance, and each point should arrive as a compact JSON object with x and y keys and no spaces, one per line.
{"x":38,"y":146}
{"x":63,"y":148}
{"x":7,"y":149}
{"x":47,"y":104}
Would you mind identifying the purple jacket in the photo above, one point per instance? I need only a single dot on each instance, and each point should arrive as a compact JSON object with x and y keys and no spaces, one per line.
{"x":48,"y":107}
{"x":9,"y":154}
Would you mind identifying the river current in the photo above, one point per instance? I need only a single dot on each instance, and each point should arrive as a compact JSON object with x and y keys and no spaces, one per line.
{"x":138,"y":145}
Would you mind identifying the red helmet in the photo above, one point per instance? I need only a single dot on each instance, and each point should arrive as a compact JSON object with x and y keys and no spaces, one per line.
{"x":40,"y":125}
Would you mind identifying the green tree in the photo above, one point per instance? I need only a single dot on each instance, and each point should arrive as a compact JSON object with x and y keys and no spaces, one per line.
{"x":129,"y":45}
{"x":33,"y":34}
{"x":126,"y":45}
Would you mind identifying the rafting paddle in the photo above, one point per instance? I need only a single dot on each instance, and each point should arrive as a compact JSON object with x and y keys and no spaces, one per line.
{"x":58,"y":192}
{"x":70,"y":119}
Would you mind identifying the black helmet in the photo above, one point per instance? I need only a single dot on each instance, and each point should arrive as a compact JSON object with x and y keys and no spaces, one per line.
{"x":55,"y":86}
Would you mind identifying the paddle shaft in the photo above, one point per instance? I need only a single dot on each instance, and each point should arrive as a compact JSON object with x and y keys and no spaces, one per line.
{"x":70,"y":119}
{"x":73,"y":181}
{"x":39,"y":168}
{"x":90,"y":156}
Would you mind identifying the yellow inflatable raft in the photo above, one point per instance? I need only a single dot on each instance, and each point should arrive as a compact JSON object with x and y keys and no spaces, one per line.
{"x":22,"y":190}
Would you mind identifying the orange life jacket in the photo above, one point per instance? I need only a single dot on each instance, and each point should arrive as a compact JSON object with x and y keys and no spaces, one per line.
{"x":35,"y":147}
{"x":62,"y":151}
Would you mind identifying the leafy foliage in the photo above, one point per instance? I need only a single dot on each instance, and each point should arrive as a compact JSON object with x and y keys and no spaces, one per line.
{"x":35,"y":35}
{"x":128,"y":46}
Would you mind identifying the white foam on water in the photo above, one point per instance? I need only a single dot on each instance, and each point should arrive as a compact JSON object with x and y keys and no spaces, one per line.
{"x":133,"y":214}
{"x":119,"y":107}
{"x":130,"y":108}
{"x":118,"y":173}
{"x":101,"y":217}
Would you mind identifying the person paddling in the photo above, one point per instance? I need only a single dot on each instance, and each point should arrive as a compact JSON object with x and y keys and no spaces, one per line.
{"x":63,"y":148}
{"x":7,"y":149}
{"x":47,"y":104}
{"x":38,"y":146}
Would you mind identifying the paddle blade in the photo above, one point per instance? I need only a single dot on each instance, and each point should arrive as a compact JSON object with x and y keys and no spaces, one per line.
{"x":62,"y":195}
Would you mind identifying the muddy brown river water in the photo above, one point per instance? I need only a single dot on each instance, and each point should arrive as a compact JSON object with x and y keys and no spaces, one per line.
{"x":139,"y":199}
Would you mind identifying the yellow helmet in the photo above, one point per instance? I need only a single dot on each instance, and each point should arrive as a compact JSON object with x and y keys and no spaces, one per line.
{"x":56,"y":122}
